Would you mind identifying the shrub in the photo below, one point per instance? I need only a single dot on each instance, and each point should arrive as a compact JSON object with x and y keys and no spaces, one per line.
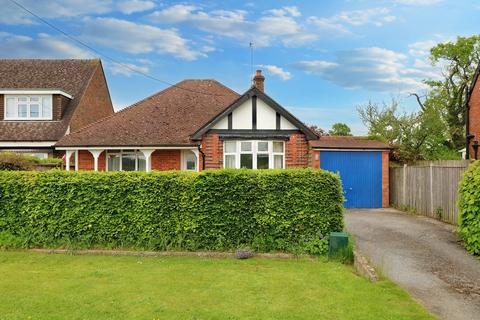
{"x":286,"y":210}
{"x":469,"y":207}
{"x":14,"y":161}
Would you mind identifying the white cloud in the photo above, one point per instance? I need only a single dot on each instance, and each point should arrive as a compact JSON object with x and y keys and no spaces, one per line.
{"x":418,"y":2}
{"x":375,"y":69}
{"x":292,"y":11}
{"x":136,"y":38}
{"x":277,"y":71}
{"x":127,"y":69}
{"x":12,"y":14}
{"x":341,"y":22}
{"x":43,"y":46}
{"x":52,"y":9}
{"x":275,"y":24}
{"x":132,"y":6}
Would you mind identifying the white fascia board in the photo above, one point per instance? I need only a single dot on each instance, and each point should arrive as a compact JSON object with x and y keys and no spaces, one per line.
{"x":36,"y":91}
{"x":27,"y":144}
{"x":129,"y":148}
{"x":340,"y":149}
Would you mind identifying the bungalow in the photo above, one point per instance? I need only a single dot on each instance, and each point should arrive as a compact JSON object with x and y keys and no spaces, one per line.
{"x":202,"y":124}
{"x":43,"y":100}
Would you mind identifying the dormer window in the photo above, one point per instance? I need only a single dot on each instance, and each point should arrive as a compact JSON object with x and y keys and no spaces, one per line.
{"x":28,"y":107}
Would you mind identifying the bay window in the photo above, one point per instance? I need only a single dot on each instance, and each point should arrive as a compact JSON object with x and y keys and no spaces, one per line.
{"x":253,"y":154}
{"x":28,"y":107}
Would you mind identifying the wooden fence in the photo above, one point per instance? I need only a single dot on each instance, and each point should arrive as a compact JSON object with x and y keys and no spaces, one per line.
{"x":428,"y":188}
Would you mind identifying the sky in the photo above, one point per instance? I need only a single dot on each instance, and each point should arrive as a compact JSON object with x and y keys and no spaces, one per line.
{"x":322,"y":59}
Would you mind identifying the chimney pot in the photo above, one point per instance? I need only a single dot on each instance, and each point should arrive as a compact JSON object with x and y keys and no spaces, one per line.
{"x":258,"y":81}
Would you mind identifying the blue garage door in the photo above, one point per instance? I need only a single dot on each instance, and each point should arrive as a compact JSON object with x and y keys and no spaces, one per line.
{"x":361,"y":174}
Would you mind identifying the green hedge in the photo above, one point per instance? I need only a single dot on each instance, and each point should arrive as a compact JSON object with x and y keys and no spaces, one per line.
{"x":287,"y":210}
{"x":469,"y":206}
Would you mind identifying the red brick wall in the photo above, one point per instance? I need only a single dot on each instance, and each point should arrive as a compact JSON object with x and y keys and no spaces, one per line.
{"x":385,"y":179}
{"x":166,"y":160}
{"x":474,"y":113}
{"x":316,"y":159}
{"x":212,"y":147}
{"x":161,"y":160}
{"x":95,"y":103}
{"x":86,"y":161}
{"x":297,"y":151}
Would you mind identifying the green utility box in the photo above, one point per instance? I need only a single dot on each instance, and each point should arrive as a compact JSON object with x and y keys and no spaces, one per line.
{"x":338,"y":244}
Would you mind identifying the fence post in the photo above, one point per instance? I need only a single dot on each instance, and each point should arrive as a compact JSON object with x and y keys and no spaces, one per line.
{"x":431,"y":187}
{"x":404,"y":189}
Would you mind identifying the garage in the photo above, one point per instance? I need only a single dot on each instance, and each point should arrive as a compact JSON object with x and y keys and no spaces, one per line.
{"x":362,"y":165}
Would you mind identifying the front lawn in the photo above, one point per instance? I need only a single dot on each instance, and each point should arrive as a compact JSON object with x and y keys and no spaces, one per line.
{"x":42,"y":286}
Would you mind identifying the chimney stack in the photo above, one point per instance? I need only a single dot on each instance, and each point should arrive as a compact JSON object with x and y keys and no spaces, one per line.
{"x":258,"y":81}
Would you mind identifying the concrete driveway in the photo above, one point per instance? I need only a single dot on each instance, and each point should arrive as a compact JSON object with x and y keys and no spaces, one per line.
{"x":423,"y":256}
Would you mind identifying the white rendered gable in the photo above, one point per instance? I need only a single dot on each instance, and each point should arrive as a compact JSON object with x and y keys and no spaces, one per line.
{"x":266,"y":118}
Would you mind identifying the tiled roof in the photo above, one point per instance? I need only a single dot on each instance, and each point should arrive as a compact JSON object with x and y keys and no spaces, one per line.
{"x":70,"y":76}
{"x":168,"y":117}
{"x":347,"y":142}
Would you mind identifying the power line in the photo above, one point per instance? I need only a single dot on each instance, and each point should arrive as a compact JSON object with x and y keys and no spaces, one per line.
{"x":104,"y":55}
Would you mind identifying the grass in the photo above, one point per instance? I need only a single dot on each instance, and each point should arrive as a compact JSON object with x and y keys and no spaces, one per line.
{"x":43,"y":286}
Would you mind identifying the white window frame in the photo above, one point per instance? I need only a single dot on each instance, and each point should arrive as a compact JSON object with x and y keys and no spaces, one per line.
{"x":28,"y":103}
{"x":254,"y":152}
{"x":120,"y":153}
{"x":185,"y":153}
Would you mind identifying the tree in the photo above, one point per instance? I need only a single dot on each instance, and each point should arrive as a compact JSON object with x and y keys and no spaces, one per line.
{"x":340,"y":129}
{"x":414,"y":136}
{"x":316,"y":129}
{"x":459,"y":60}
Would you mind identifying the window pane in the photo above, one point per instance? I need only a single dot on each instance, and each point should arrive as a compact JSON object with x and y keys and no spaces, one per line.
{"x":11,"y":110}
{"x":113,"y":162}
{"x":22,"y":110}
{"x":263,"y":146}
{"x":230,"y":161}
{"x":277,"y":162}
{"x":262,"y":161}
{"x":34,"y":99}
{"x":230,"y":146}
{"x":190,"y":161}
{"x":277,"y":146}
{"x":128,"y":162}
{"x":46,"y":107}
{"x":246,"y":146}
{"x":246,"y":161}
{"x":22,"y":99}
{"x":142,"y":163}
{"x":34,"y":111}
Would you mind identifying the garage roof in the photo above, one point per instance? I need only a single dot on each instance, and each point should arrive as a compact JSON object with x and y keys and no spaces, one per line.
{"x":347,"y":142}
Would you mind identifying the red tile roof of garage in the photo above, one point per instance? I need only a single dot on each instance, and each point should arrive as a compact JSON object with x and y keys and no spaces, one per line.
{"x":168,"y":117}
{"x":347,"y":142}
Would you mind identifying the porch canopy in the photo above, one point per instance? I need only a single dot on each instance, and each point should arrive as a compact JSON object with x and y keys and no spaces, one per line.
{"x":131,"y":158}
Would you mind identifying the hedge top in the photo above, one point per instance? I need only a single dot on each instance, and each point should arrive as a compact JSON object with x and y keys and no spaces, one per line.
{"x":287,"y":210}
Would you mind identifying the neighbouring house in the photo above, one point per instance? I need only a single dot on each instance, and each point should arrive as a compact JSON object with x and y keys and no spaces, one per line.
{"x":473,"y":118}
{"x":202,"y":124}
{"x":43,"y":100}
